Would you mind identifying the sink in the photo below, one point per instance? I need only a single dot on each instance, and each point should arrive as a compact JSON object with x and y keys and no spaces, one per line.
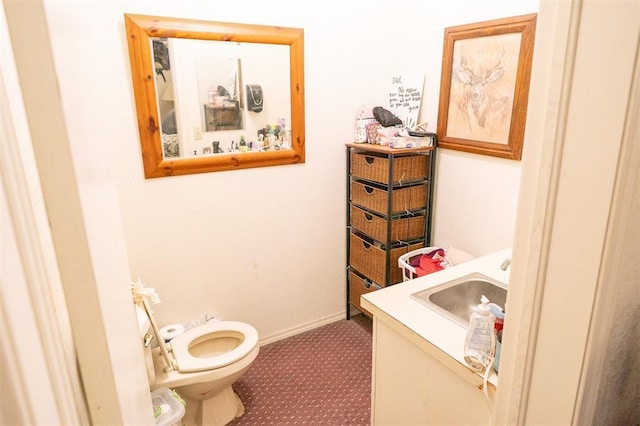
{"x":457,"y":299}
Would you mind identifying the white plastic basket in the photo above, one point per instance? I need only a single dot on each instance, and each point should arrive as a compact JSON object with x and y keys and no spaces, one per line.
{"x":408,"y":271}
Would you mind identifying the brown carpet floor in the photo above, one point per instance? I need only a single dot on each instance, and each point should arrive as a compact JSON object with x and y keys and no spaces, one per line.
{"x":320,"y":377}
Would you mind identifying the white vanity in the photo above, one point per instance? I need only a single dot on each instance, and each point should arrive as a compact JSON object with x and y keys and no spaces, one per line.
{"x":419,"y":375}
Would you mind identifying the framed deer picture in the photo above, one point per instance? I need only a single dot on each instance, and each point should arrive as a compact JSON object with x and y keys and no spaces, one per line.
{"x":484,"y":88}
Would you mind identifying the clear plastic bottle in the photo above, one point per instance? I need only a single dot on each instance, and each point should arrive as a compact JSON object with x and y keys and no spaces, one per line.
{"x":480,"y":342}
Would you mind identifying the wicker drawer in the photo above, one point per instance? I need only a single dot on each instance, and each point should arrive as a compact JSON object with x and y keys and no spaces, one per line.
{"x":404,"y":199}
{"x":359,"y":286}
{"x":370,"y":260}
{"x":375,"y":167}
{"x":402,"y":228}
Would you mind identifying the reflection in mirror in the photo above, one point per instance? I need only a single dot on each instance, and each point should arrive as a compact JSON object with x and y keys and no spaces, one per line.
{"x":226,"y":96}
{"x":207,"y":78}
{"x":164,"y":94}
{"x":219,"y":93}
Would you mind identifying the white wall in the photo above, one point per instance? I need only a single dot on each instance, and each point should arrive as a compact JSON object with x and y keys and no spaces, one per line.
{"x":267,"y":245}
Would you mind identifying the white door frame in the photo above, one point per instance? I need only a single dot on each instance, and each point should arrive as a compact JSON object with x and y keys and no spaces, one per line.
{"x":84,"y":229}
{"x":41,"y":384}
{"x":581,"y":79}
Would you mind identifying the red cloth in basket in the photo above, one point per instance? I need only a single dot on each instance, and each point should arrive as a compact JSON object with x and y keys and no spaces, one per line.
{"x":428,"y":263}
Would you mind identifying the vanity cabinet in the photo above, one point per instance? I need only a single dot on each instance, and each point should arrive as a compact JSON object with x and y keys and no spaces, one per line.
{"x":419,"y":375}
{"x":222,"y":117}
{"x":389,"y":211}
{"x":416,"y":383}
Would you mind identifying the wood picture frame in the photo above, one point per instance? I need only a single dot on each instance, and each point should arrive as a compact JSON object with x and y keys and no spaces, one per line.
{"x":142,"y":29}
{"x":484,"y":89}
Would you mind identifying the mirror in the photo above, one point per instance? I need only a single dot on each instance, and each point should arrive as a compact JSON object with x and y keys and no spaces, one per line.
{"x":215,"y":96}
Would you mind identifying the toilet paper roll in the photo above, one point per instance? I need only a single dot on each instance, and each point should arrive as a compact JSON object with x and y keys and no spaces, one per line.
{"x":170,"y":331}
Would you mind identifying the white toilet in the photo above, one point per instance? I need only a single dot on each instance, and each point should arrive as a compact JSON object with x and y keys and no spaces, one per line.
{"x":201,"y":364}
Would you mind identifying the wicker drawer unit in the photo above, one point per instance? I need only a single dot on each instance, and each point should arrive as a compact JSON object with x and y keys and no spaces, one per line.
{"x":406,"y":198}
{"x":389,"y":197}
{"x":357,"y":287}
{"x":375,"y":167}
{"x":370,"y":259}
{"x":403,"y":228}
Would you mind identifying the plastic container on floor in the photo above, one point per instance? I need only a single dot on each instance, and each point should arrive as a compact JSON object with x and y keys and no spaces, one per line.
{"x":168,"y":410}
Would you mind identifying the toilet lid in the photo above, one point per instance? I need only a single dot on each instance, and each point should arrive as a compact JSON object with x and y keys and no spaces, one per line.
{"x":189,"y":362}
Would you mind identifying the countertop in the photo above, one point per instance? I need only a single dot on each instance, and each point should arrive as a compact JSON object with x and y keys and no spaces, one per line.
{"x":422,"y":324}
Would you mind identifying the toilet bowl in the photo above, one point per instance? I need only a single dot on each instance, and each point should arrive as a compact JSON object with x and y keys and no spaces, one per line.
{"x":201,"y":364}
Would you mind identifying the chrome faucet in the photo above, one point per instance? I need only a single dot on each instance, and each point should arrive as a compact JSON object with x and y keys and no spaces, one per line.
{"x":505,"y":265}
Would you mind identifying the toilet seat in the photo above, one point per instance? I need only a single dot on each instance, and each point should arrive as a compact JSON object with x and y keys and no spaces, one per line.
{"x":187,"y":362}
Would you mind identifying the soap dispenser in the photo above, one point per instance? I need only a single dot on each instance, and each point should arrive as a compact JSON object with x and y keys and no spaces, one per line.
{"x":480,"y":342}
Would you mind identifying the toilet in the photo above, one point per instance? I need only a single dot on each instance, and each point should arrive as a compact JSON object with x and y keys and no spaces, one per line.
{"x":201,"y":364}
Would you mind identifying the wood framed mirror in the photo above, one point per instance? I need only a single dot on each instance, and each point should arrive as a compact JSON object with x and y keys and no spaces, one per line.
{"x":214,"y":96}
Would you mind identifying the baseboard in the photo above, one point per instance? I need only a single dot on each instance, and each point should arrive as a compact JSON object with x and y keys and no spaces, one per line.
{"x":302,"y":328}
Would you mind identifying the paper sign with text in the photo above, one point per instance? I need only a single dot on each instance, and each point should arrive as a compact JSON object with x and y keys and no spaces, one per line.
{"x":405,"y":95}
